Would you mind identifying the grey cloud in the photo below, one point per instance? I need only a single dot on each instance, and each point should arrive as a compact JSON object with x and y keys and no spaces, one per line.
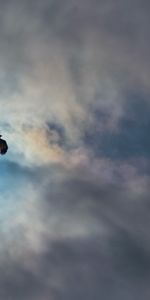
{"x":83,"y":268}
{"x":101,"y":44}
{"x":81,"y":230}
{"x":110,"y":259}
{"x":94,"y":51}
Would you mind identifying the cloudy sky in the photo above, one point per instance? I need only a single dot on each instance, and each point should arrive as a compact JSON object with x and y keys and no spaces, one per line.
{"x":75,"y":183}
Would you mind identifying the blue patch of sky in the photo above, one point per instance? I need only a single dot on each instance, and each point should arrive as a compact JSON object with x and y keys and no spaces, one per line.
{"x":133,"y":137}
{"x":13,"y":179}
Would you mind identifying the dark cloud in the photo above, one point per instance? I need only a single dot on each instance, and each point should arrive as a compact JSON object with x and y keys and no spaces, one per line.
{"x":132,"y":137}
{"x":90,"y":268}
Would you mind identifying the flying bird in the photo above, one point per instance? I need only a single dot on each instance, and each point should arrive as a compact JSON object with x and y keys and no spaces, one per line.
{"x":3,"y":146}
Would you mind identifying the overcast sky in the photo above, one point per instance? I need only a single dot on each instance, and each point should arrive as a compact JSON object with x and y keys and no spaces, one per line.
{"x":75,"y":183}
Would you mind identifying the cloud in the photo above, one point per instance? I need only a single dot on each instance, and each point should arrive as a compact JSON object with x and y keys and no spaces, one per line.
{"x":74,"y":79}
{"x":80,"y":225}
{"x":62,"y":69}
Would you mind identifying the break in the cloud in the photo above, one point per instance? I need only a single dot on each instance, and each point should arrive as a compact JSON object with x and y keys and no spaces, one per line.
{"x":74,"y":81}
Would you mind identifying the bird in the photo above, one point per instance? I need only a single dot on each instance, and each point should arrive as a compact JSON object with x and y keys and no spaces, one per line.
{"x":3,"y":146}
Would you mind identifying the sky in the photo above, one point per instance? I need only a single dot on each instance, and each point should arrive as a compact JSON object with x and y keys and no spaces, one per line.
{"x":75,"y":182}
